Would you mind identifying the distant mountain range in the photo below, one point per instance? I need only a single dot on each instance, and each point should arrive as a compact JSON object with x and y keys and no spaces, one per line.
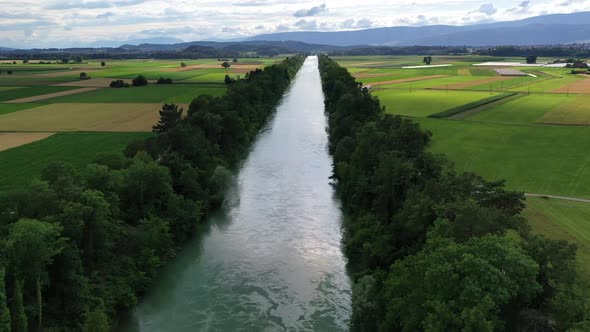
{"x":540,"y":30}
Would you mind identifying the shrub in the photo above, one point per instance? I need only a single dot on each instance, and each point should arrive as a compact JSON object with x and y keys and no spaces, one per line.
{"x":163,"y":80}
{"x":140,"y":81}
{"x":119,"y":84}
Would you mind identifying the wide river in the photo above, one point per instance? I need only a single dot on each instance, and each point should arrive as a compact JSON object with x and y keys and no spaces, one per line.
{"x":272,"y":259}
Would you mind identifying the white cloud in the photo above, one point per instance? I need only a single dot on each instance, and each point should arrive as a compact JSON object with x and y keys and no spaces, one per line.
{"x":62,"y":23}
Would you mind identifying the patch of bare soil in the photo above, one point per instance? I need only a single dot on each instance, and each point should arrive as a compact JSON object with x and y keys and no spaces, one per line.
{"x":49,"y":95}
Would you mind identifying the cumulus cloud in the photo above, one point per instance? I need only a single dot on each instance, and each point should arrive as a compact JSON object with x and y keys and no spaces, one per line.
{"x":304,"y":24}
{"x":521,"y":8}
{"x":487,"y":9}
{"x":105,"y":15}
{"x":313,"y":11}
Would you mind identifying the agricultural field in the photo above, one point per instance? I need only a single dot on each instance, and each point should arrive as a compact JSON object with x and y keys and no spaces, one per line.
{"x":534,"y":139}
{"x":47,"y":112}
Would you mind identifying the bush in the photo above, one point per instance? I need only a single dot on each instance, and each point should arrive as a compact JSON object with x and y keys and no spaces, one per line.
{"x":163,"y":80}
{"x":119,"y":84}
{"x":140,"y":81}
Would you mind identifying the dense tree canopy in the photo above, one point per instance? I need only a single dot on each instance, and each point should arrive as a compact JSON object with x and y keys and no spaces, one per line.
{"x":78,"y":247}
{"x":433,"y":249}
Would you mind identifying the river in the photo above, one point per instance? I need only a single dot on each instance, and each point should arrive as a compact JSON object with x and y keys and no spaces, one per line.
{"x":272,"y":259}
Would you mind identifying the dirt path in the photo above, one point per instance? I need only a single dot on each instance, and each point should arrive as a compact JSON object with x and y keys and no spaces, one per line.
{"x":406,"y":80}
{"x":49,"y":95}
{"x":574,"y":199}
{"x":12,"y":140}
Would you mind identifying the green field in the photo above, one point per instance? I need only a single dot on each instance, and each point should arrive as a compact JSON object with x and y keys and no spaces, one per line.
{"x":422,"y":103}
{"x":19,"y":165}
{"x":174,"y":93}
{"x":10,"y":108}
{"x":563,"y":220}
{"x":31,"y":91}
{"x":531,"y":158}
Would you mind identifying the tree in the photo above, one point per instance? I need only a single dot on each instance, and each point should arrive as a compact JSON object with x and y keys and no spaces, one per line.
{"x":102,"y":64}
{"x":78,"y":59}
{"x":225,"y":65}
{"x":119,"y":84}
{"x":84,"y":76}
{"x":531,"y":59}
{"x":235,"y":60}
{"x":140,"y":81}
{"x":21,"y":322}
{"x":25,"y":61}
{"x":4,"y":311}
{"x":228,"y":80}
{"x":170,"y":116}
{"x":14,"y":62}
{"x":32,"y":245}
{"x":451,"y":286}
{"x":9,"y":72}
{"x":163,"y":80}
{"x":97,"y":320}
{"x":427,"y":60}
{"x":182,"y":64}
{"x":65,"y":61}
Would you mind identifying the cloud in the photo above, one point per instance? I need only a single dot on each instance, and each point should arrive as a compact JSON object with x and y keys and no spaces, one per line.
{"x":94,"y":4}
{"x":259,"y":27}
{"x":347,"y":24}
{"x":105,"y":15}
{"x":313,"y":11}
{"x":487,"y":9}
{"x":521,"y":8}
{"x":364,"y":23}
{"x":304,"y":24}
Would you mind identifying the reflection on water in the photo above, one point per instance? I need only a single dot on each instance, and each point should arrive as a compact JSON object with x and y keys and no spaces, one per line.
{"x":272,"y":260}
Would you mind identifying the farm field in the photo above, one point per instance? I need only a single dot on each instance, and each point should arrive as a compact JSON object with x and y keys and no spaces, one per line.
{"x":534,"y":140}
{"x":48,"y":113}
{"x":563,"y":220}
{"x":21,"y":164}
{"x":422,"y":103}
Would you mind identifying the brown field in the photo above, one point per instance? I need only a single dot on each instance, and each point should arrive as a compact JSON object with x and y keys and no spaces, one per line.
{"x":463,"y":85}
{"x":49,"y":95}
{"x":12,"y":140}
{"x":94,"y":82}
{"x":405,"y":80}
{"x":581,"y":86}
{"x":84,"y":117}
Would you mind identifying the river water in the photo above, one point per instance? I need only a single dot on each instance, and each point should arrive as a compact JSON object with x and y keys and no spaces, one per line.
{"x":272,"y":260}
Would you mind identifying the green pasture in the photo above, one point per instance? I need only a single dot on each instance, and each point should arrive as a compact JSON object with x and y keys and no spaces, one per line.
{"x":145,"y":94}
{"x":524,"y":110}
{"x":30,"y":91}
{"x":10,"y":108}
{"x":531,"y":158}
{"x":548,"y":85}
{"x":422,"y":103}
{"x":563,"y":220}
{"x":18,"y":166}
{"x":440,"y":83}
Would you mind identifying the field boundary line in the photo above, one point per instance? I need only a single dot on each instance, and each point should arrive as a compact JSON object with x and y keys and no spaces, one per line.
{"x":565,"y":198}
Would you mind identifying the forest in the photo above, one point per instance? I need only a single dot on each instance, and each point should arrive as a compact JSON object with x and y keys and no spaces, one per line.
{"x":433,"y":249}
{"x":79,"y":247}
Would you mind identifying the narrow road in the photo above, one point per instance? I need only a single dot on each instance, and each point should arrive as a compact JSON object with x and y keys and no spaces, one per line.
{"x":583,"y":200}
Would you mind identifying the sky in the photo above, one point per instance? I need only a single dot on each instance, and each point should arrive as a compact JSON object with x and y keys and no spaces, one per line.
{"x":70,"y":23}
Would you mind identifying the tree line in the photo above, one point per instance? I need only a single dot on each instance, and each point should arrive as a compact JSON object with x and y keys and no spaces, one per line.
{"x":79,"y":247}
{"x":432,"y":248}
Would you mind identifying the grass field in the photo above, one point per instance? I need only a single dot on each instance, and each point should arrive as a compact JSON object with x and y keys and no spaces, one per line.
{"x":422,"y":103}
{"x":31,"y":91}
{"x":9,"y":108}
{"x":20,"y":165}
{"x":563,"y":220}
{"x":536,"y":159}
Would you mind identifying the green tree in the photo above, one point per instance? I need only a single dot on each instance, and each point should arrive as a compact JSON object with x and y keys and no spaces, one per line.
{"x":4,"y":311}
{"x":225,"y":65}
{"x":97,"y":320}
{"x":182,"y":64}
{"x":32,"y":245}
{"x":65,"y":61}
{"x":170,"y":116}
{"x":140,"y":81}
{"x":531,"y":59}
{"x":452,"y":286}
{"x":427,"y":60}
{"x":20,"y":321}
{"x":102,"y":64}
